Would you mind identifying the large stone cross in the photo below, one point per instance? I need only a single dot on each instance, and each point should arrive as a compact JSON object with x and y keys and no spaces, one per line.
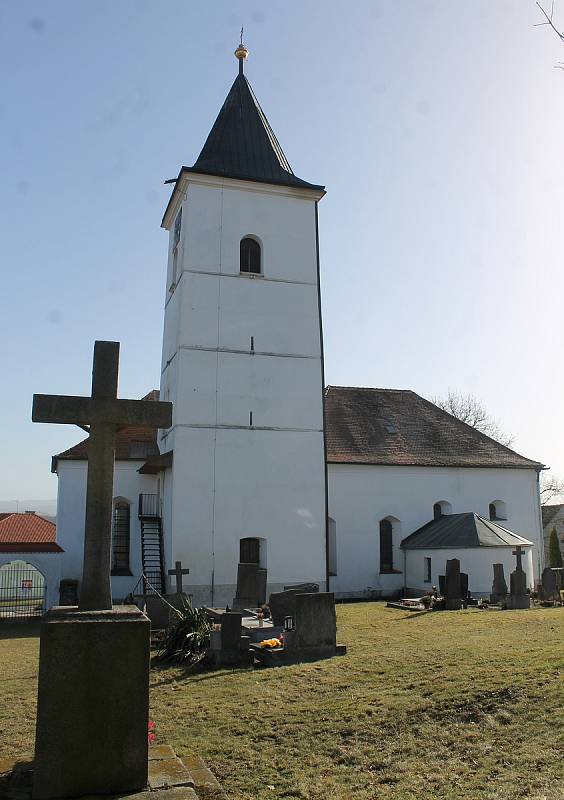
{"x":179,"y":572}
{"x":519,"y":553}
{"x":105,"y":414}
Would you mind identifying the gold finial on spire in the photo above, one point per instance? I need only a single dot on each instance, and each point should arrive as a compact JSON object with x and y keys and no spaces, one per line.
{"x":241,"y":52}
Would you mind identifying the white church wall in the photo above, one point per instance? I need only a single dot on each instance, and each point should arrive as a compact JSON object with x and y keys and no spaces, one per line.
{"x":361,"y":495}
{"x":71,"y":507}
{"x":477,"y":562}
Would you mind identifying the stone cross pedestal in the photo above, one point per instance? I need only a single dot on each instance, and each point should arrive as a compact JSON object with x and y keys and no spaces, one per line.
{"x":93,"y":693}
{"x":518,"y":597}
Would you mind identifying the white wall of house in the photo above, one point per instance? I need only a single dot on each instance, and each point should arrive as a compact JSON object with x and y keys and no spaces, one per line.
{"x":231,"y":479}
{"x":48,"y":564}
{"x":361,"y":495}
{"x":71,"y":506}
{"x":477,"y":562}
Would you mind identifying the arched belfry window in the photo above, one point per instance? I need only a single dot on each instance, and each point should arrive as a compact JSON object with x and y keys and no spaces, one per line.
{"x":250,"y":256}
{"x":121,"y":521}
{"x":437,"y":511}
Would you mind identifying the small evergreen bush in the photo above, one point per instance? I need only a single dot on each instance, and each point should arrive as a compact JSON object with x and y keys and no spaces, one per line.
{"x":554,"y":554}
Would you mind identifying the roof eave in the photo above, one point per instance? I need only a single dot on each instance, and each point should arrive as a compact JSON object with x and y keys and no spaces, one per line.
{"x":308,"y":190}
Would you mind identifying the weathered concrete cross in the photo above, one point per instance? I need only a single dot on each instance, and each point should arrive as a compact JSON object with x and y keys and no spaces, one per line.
{"x":519,"y":553}
{"x":179,"y":572}
{"x":104,"y":413}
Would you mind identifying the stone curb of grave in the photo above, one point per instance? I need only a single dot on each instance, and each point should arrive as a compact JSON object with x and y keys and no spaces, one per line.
{"x":170,"y":778}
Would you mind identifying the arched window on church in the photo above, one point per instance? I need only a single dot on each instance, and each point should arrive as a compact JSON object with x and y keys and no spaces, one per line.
{"x":386,"y":546}
{"x":497,"y":510}
{"x":250,"y":256}
{"x":441,"y":508}
{"x":121,"y":521}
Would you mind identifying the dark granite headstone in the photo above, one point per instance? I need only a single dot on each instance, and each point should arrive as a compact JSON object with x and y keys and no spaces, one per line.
{"x":442,"y":585}
{"x":305,"y":588}
{"x":453,"y":595}
{"x":251,"y":586}
{"x":518,"y":597}
{"x":68,"y":592}
{"x":499,"y":586}
{"x":283,"y":604}
{"x":464,"y":585}
{"x":315,"y":623}
{"x":231,"y":630}
{"x":549,"y":585}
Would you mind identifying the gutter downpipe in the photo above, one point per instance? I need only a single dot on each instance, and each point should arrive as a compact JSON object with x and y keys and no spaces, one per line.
{"x":322,"y":397}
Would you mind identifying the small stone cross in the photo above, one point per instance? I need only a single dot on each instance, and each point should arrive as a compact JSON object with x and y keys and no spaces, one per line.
{"x":105,"y":414}
{"x":179,"y":572}
{"x":519,"y":553}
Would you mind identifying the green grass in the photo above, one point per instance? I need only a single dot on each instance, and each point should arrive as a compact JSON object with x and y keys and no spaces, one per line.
{"x":448,"y":706}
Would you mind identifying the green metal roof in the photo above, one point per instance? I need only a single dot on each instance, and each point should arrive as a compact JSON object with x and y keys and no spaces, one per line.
{"x":462,"y":531}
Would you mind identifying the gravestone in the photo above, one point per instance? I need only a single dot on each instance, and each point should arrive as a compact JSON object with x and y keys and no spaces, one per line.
{"x":251,"y":586}
{"x":549,"y":586}
{"x":315,"y":627}
{"x":442,"y":585}
{"x":518,"y":597}
{"x":283,"y":604}
{"x":93,"y":691}
{"x":499,"y":586}
{"x":228,"y":647}
{"x":453,"y":593}
{"x":68,"y":592}
{"x":464,"y":585}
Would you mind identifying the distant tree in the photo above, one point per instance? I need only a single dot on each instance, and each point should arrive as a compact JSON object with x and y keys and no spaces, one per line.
{"x":551,"y":487}
{"x":554,"y":554}
{"x":470,"y":409}
{"x":549,"y":20}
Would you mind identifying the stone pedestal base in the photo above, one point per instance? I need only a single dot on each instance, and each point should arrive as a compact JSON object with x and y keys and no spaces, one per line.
{"x":453,"y":603}
{"x":93,"y":703}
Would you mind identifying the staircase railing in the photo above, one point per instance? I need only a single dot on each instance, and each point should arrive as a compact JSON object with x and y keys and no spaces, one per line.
{"x":149,"y":505}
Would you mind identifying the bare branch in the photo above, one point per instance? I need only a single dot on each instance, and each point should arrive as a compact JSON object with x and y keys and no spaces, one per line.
{"x":471,"y":410}
{"x":551,"y":488}
{"x":549,"y":21}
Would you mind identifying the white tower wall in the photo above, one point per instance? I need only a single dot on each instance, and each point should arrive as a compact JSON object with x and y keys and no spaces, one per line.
{"x":233,"y":477}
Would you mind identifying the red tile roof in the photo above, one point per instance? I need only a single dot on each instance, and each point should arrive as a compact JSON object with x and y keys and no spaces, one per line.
{"x":132,"y":443}
{"x":398,"y":427}
{"x":27,"y":533}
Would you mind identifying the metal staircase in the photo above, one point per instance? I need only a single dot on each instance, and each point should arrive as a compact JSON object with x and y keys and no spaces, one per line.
{"x":152,"y":544}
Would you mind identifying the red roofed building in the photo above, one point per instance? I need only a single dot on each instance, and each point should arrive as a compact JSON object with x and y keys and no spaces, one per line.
{"x":27,"y":533}
{"x":28,"y":542}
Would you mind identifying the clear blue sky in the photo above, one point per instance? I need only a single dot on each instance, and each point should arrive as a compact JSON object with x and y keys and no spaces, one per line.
{"x":436,"y":125}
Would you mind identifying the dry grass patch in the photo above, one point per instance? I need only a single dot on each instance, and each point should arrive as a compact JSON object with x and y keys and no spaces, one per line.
{"x":453,"y":706}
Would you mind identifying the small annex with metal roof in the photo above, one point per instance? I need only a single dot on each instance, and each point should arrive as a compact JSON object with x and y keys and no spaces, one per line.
{"x":462,"y":531}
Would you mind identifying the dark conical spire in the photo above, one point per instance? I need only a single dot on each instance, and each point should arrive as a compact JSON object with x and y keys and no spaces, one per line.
{"x":241,"y":143}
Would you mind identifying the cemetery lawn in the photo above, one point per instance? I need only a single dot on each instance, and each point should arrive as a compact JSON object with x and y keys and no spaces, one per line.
{"x":451,"y":706}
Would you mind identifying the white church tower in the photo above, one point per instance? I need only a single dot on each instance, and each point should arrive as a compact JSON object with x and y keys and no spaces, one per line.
{"x":243,"y":363}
